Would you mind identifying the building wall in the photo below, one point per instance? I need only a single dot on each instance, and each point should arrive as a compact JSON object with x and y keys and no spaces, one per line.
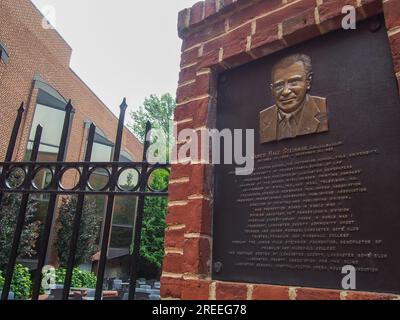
{"x":36,"y":51}
{"x":218,"y":35}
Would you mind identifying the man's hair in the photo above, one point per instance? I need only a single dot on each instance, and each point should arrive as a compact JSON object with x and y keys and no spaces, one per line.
{"x":292,"y":59}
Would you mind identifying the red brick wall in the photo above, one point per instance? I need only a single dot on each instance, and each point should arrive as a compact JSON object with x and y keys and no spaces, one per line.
{"x":218,"y":35}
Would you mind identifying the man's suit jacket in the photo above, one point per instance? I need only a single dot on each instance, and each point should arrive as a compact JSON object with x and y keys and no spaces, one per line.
{"x":313,"y":119}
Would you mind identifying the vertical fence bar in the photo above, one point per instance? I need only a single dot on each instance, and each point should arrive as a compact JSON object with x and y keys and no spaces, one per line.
{"x":13,"y":140}
{"x":52,"y":203}
{"x":110,"y":205}
{"x":14,"y":134}
{"x":135,"y":255}
{"x":78,"y":214}
{"x":21,"y":216}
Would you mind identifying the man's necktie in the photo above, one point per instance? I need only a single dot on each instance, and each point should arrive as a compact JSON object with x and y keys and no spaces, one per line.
{"x":287,"y":127}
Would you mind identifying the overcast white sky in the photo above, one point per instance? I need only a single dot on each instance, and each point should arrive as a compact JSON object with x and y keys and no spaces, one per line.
{"x":122,"y":48}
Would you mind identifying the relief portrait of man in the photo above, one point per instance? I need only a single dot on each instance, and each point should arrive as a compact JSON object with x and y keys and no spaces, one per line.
{"x":296,"y":112}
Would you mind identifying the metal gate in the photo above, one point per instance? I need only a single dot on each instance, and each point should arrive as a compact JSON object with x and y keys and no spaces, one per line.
{"x":82,"y":188}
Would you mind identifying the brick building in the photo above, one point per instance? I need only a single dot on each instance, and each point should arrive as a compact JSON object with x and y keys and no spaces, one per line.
{"x":34,"y":69}
{"x":220,"y":35}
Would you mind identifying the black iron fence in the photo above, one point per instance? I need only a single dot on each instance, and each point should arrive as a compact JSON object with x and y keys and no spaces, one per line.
{"x":55,"y":187}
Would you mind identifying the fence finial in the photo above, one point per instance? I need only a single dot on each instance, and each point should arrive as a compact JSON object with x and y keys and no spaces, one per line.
{"x":69,"y":106}
{"x":21,"y":108}
{"x":123,"y":105}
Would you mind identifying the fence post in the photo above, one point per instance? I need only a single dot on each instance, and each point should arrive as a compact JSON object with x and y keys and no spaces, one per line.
{"x":110,"y":204}
{"x":135,"y":255}
{"x":78,"y":214}
{"x":12,"y":142}
{"x":52,"y":203}
{"x":21,"y":216}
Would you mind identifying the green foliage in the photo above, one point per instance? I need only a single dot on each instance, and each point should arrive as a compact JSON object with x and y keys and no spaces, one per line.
{"x":1,"y":279}
{"x":21,"y":283}
{"x":159,"y":111}
{"x":88,"y":232}
{"x":152,"y":244}
{"x":9,"y":209}
{"x":80,"y":278}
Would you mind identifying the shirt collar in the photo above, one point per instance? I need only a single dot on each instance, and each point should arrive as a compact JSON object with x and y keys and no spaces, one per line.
{"x":295,"y":115}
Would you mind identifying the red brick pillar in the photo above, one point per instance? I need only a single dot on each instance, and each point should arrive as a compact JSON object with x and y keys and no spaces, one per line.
{"x":392,"y":16}
{"x":218,"y":35}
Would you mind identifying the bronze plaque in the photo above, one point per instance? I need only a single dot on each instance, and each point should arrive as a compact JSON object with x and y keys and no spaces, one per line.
{"x":325,"y":192}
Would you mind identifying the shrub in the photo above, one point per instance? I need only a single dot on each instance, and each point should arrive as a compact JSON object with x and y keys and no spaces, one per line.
{"x":80,"y":278}
{"x":9,"y":209}
{"x":21,"y":283}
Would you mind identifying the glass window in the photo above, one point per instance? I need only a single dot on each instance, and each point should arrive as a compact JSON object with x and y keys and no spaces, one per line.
{"x":124,"y":206}
{"x":125,"y":156}
{"x":101,"y":152}
{"x":102,"y":147}
{"x":52,"y":120}
{"x":124,"y":210}
{"x":121,"y":236}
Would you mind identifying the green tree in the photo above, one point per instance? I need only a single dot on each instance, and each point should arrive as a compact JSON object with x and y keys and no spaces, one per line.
{"x":88,"y":231}
{"x":155,"y":209}
{"x":159,"y":111}
{"x":9,"y":210}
